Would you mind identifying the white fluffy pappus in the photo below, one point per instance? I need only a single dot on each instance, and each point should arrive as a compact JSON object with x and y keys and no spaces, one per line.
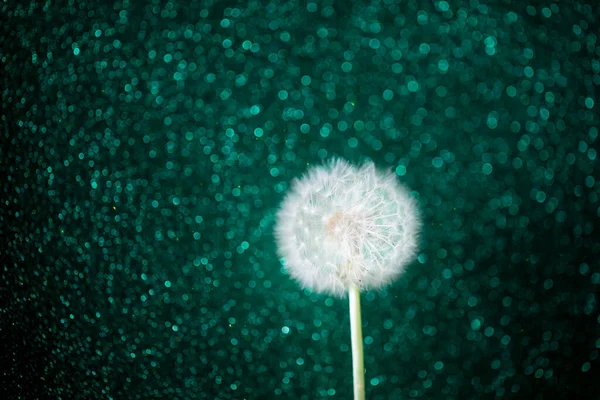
{"x":341,"y":224}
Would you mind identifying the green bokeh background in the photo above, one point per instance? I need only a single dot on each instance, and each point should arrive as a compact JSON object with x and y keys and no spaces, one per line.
{"x":146,"y":146}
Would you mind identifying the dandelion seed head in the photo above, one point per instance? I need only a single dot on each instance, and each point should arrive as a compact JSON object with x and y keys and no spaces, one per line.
{"x":342,"y":224}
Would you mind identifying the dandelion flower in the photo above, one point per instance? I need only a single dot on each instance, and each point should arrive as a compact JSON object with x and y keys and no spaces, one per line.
{"x":343,"y":229}
{"x":341,"y":225}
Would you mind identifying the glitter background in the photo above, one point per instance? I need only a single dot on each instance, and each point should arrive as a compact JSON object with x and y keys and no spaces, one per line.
{"x":146,"y":146}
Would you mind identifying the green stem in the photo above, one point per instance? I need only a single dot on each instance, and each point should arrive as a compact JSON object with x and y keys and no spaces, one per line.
{"x":358,"y":369}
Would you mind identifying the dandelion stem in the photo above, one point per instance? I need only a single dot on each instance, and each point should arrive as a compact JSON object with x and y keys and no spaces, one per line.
{"x":357,"y":346}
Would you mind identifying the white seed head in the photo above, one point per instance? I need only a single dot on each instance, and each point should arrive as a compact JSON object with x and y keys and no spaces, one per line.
{"x":342,"y":224}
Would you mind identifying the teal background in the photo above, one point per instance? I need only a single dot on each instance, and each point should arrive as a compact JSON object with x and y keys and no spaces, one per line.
{"x":146,"y":146}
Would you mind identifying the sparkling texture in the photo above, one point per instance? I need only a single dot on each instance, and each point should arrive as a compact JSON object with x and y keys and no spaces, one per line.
{"x":145,"y":147}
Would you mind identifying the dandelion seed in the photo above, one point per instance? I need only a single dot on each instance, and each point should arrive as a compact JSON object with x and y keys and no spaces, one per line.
{"x":366,"y":221}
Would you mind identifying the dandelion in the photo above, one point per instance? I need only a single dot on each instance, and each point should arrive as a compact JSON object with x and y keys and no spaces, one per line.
{"x":343,"y":229}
